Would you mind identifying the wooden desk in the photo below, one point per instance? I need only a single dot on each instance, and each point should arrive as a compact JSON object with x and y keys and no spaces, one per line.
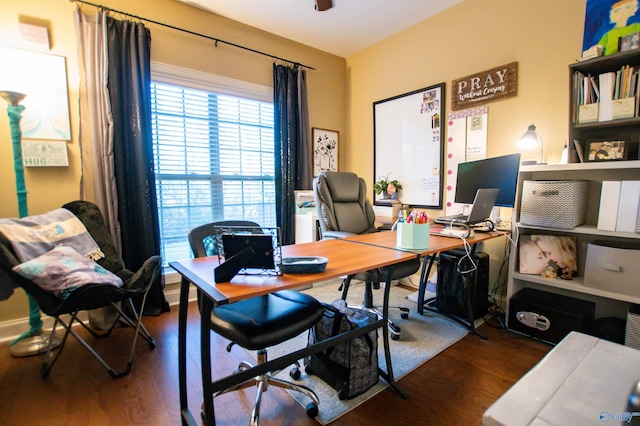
{"x":344,"y":259}
{"x":437,"y":244}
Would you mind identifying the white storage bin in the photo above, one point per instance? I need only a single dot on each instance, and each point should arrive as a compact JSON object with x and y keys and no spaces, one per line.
{"x":554,"y":203}
{"x":613,"y":268}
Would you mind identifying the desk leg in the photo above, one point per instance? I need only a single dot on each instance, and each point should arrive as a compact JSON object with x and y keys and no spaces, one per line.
{"x":185,"y":415}
{"x":388,"y":375}
{"x":205,"y":356}
{"x":424,"y":279}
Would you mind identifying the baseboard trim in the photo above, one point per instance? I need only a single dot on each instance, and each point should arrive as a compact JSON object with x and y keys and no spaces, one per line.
{"x":10,"y":330}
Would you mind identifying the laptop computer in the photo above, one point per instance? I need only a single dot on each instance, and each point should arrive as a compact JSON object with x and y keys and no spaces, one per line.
{"x":480,"y":211}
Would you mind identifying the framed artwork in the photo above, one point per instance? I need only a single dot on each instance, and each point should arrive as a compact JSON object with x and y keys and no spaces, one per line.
{"x":43,"y":78}
{"x":606,"y":21}
{"x":549,"y":255}
{"x":408,"y":144}
{"x":325,"y":150}
{"x":606,"y":151}
{"x":629,"y":42}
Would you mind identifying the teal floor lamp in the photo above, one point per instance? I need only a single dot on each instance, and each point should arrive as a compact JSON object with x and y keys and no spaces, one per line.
{"x":33,"y":341}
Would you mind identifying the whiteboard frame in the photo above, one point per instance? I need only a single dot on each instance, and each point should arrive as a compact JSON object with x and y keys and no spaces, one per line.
{"x":409,"y":145}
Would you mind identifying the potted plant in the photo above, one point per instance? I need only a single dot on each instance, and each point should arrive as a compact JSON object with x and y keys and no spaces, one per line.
{"x":388,"y":188}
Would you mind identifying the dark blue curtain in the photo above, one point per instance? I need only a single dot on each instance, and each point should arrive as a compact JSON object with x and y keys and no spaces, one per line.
{"x":129,"y":78}
{"x":287,"y":137}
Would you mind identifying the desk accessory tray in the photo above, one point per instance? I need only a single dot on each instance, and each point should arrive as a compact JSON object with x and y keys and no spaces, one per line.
{"x":304,"y":264}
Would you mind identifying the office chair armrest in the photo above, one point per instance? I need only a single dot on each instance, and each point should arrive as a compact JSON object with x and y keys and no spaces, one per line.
{"x":329,"y":235}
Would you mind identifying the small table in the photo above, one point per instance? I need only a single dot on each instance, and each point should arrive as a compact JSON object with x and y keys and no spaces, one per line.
{"x":582,"y":381}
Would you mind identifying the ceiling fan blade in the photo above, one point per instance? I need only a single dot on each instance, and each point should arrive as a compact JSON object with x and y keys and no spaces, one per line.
{"x":322,"y":5}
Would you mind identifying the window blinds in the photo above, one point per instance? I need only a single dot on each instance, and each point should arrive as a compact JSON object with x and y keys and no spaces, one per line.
{"x":214,"y":160}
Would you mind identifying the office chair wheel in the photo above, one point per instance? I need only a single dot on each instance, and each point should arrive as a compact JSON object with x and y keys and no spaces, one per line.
{"x":295,"y":374}
{"x":342,"y":394}
{"x":312,"y":410}
{"x":394,"y":328}
{"x":394,"y":331}
{"x":404,"y":313}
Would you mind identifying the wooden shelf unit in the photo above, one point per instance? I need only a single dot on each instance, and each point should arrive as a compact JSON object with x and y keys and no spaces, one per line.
{"x":627,"y":129}
{"x":608,"y":303}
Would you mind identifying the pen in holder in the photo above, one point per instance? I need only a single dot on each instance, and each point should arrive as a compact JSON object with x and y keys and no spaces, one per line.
{"x":413,"y":231}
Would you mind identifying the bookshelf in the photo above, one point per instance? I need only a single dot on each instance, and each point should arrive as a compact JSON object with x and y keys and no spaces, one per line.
{"x":609,"y":303}
{"x":622,"y":129}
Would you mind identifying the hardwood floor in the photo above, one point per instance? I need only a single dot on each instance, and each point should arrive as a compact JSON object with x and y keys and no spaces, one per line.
{"x":453,"y":388}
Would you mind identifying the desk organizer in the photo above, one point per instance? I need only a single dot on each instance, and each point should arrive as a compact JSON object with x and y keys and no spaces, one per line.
{"x":413,"y":236}
{"x":304,"y":265}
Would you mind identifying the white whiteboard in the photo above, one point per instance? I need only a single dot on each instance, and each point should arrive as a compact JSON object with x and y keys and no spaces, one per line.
{"x":408,"y":144}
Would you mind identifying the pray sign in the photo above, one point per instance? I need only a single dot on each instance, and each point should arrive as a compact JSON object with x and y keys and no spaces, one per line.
{"x":484,"y":87}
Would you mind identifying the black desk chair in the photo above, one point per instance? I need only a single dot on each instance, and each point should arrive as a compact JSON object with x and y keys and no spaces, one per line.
{"x":343,"y":210}
{"x":259,"y":322}
{"x":89,"y":296}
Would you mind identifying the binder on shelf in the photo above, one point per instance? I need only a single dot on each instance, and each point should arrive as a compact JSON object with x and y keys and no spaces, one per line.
{"x":628,"y":206}
{"x":609,"y":201}
{"x":607,"y":87}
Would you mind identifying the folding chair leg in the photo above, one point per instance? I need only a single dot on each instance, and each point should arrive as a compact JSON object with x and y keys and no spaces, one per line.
{"x":139,"y":329}
{"x":137,"y":324}
{"x":48,"y":361}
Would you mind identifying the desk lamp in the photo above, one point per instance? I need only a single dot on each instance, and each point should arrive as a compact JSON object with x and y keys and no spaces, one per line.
{"x":32,"y":342}
{"x":530,"y":140}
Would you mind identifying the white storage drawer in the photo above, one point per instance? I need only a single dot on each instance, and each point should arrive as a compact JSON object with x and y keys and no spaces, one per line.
{"x":555,"y":203}
{"x":613,"y":267}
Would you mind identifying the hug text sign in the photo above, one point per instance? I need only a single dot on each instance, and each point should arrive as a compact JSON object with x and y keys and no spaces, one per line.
{"x":484,"y":87}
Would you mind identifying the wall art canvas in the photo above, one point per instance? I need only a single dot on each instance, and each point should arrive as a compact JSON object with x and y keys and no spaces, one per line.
{"x":43,"y":78}
{"x":608,"y":20}
{"x":552,"y":255}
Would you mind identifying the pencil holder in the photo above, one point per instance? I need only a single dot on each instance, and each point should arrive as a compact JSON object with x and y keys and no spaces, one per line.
{"x":413,"y":236}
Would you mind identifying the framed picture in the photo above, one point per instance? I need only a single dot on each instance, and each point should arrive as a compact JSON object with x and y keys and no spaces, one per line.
{"x":325,"y":150}
{"x":548,"y":255}
{"x":630,"y":42}
{"x":606,"y":151}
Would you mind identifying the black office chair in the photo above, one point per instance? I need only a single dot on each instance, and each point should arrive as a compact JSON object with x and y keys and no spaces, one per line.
{"x":89,"y":296}
{"x":259,"y":322}
{"x":343,"y":210}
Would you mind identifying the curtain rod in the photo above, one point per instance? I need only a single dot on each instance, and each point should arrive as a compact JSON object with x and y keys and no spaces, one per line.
{"x":217,"y":40}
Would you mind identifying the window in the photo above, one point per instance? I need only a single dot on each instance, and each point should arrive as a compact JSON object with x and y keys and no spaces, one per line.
{"x":214,"y":160}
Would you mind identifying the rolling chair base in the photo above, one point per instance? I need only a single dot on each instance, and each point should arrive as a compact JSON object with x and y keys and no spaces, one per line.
{"x":262,"y":382}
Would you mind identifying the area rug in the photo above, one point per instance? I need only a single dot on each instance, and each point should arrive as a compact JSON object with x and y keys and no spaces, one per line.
{"x":421,"y":339}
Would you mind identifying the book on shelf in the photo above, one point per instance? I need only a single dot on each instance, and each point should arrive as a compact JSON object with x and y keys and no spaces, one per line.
{"x":609,"y":201}
{"x":579,"y":150}
{"x":628,"y":206}
{"x":609,"y":95}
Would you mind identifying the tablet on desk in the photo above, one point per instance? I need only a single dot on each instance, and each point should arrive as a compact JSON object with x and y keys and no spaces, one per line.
{"x":262,"y":245}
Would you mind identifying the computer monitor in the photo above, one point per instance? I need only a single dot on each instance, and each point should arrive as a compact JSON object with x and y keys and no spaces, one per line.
{"x":497,"y":172}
